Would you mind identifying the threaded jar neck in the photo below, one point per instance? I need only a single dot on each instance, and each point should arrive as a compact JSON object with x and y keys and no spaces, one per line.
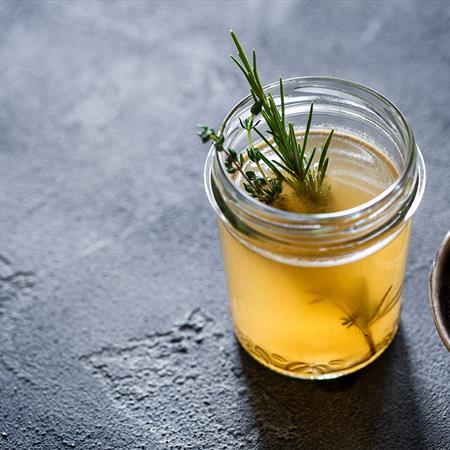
{"x":323,"y":238}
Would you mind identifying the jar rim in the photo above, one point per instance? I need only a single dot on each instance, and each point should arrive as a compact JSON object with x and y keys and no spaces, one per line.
{"x":276,"y":214}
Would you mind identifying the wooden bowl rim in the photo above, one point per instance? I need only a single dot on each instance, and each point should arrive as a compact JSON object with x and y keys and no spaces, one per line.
{"x":439,"y":304}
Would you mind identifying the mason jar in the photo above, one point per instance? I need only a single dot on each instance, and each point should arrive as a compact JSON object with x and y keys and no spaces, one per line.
{"x":318,"y":295}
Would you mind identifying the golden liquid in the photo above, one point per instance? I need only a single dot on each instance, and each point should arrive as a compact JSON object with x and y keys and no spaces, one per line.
{"x":321,"y":322}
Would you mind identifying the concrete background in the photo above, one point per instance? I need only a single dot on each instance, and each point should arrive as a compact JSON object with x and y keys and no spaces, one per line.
{"x":114,"y":324}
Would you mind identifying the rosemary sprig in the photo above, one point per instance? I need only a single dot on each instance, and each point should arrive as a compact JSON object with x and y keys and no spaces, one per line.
{"x":297,"y":169}
{"x":293,"y":165}
{"x":357,"y":308}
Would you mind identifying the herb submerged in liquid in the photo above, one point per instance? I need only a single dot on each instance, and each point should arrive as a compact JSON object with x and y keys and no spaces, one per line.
{"x":294,"y":167}
{"x":314,"y":321}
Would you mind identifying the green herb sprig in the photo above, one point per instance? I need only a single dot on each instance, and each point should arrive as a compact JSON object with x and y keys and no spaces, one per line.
{"x":297,"y":169}
{"x":262,"y":187}
{"x":294,"y":166}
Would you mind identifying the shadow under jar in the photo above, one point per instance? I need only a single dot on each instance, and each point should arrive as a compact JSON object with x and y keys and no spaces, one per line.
{"x":317,"y":294}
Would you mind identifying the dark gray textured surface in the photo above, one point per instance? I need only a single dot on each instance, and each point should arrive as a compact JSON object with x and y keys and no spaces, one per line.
{"x":114,"y":325}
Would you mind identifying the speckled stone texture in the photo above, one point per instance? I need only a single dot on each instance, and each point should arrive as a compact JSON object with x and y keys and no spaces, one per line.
{"x":114,"y":323}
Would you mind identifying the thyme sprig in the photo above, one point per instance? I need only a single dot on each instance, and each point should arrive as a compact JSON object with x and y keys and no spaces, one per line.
{"x":262,"y":187}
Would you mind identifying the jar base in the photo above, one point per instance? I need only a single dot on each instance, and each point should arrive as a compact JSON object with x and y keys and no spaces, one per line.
{"x":316,"y":372}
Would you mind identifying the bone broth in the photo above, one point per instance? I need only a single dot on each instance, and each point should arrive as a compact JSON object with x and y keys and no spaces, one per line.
{"x":311,"y":320}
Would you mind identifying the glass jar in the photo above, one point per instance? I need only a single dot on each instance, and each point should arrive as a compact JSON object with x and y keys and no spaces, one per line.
{"x":318,"y":296}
